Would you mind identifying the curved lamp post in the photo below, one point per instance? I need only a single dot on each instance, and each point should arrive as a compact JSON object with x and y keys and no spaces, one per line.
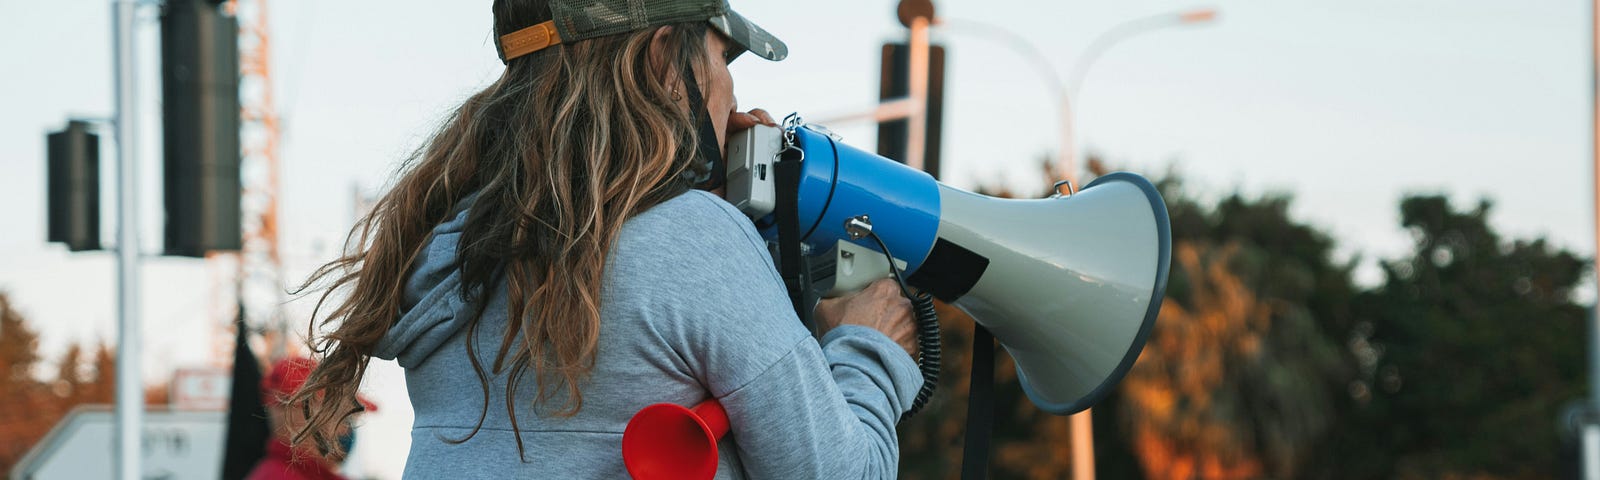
{"x":1082,"y":436}
{"x":1065,"y":90}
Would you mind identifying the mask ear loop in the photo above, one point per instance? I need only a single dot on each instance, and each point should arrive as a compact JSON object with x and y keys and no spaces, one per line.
{"x":708,"y":152}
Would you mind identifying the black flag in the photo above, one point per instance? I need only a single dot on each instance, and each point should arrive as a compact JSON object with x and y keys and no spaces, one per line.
{"x":248,"y":430}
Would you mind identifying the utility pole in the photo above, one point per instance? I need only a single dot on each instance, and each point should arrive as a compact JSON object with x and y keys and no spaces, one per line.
{"x":917,"y":125}
{"x":130,"y":388}
{"x":910,"y":92}
{"x":1590,"y":429}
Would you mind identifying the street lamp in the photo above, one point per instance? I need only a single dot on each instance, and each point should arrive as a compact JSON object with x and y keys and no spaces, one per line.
{"x":1066,"y":90}
{"x":1081,"y":426}
{"x":1100,"y":44}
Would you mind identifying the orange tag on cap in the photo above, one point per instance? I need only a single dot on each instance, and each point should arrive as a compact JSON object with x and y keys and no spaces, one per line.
{"x":529,"y":40}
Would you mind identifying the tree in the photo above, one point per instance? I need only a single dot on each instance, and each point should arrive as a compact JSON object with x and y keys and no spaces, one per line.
{"x":1468,"y":350}
{"x":1244,"y":373}
{"x":19,"y":348}
{"x":1268,"y":361}
{"x":32,"y":405}
{"x":102,"y":388}
{"x":1241,"y":377}
{"x":21,"y":421}
{"x":70,"y":381}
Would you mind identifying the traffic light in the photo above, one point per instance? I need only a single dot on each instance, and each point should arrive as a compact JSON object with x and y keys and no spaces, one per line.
{"x":73,"y":187}
{"x":895,"y":83}
{"x":200,"y":123}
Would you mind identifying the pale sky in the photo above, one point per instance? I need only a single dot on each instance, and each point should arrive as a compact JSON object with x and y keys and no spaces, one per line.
{"x":1346,"y":104}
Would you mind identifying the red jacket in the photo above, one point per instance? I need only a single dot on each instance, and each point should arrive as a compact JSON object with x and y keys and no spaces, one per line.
{"x":282,"y":463}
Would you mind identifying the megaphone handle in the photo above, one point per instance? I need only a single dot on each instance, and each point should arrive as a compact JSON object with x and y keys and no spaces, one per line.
{"x":715,"y":417}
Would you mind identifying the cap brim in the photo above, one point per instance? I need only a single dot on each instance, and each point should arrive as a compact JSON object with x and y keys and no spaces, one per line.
{"x":750,"y":36}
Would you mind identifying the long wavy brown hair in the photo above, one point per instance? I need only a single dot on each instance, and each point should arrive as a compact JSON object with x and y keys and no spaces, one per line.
{"x":567,"y":144}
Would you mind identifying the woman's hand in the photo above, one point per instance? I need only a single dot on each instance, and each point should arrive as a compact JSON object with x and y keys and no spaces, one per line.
{"x":741,"y":121}
{"x":879,"y":306}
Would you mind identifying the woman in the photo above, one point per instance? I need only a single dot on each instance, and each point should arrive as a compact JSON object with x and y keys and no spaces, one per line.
{"x":545,"y":267}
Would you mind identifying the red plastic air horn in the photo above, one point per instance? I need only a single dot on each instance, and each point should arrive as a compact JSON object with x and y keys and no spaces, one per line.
{"x":669,"y":441}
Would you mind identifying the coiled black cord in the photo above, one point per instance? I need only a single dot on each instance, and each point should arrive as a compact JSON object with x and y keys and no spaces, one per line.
{"x":929,"y":343}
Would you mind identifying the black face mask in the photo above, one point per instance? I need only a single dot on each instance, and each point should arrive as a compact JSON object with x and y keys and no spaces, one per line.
{"x":708,"y":153}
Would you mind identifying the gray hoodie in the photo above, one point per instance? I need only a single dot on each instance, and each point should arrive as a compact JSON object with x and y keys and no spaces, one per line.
{"x":692,"y":309}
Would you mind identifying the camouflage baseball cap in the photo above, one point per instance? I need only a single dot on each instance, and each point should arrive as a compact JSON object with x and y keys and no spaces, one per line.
{"x":575,"y":20}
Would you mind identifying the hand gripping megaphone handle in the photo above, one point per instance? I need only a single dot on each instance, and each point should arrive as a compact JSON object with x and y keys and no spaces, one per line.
{"x":668,"y":441}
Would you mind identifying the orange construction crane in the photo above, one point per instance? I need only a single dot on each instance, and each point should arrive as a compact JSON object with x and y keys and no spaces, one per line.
{"x":257,"y":270}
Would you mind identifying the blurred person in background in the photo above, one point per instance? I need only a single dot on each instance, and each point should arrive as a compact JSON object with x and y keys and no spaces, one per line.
{"x":559,"y":255}
{"x":283,"y":461}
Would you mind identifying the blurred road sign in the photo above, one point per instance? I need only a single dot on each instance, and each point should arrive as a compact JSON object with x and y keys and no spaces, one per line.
{"x":201,"y":389}
{"x":177,"y":445}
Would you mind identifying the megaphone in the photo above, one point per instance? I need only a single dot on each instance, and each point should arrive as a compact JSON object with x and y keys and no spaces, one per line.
{"x":1069,"y":285}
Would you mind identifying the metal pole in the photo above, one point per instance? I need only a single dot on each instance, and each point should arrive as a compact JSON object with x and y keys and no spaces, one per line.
{"x":1082,"y":442}
{"x":917,"y":125}
{"x":1068,"y":164}
{"x":1590,"y":430}
{"x":1594,"y":155}
{"x":1591,"y":451}
{"x":130,"y":391}
{"x":1069,"y":161}
{"x":889,"y":110}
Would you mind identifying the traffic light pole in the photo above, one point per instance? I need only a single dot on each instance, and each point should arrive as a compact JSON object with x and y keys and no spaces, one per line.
{"x":917,"y":124}
{"x":130,"y":391}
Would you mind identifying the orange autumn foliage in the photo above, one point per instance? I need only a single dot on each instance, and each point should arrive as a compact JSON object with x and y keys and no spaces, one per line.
{"x":30,"y":405}
{"x":1171,"y":391}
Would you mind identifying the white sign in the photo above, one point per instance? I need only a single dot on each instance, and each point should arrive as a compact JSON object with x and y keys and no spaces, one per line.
{"x":201,"y":389}
{"x":177,"y":445}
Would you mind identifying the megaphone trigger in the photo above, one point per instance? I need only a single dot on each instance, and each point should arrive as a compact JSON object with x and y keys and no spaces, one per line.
{"x":849,"y":267}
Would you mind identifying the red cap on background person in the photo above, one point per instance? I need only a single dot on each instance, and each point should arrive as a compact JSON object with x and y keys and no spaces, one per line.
{"x":283,"y":460}
{"x":288,"y":375}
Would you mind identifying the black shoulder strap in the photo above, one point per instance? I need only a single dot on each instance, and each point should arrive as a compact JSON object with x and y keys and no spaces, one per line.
{"x":980,"y":407}
{"x":707,"y":150}
{"x":791,"y":265}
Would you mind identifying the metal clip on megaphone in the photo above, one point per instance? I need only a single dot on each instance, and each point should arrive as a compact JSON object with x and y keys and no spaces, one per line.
{"x":1069,"y":285}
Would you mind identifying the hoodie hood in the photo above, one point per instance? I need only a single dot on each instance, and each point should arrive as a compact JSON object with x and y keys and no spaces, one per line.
{"x":433,"y":301}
